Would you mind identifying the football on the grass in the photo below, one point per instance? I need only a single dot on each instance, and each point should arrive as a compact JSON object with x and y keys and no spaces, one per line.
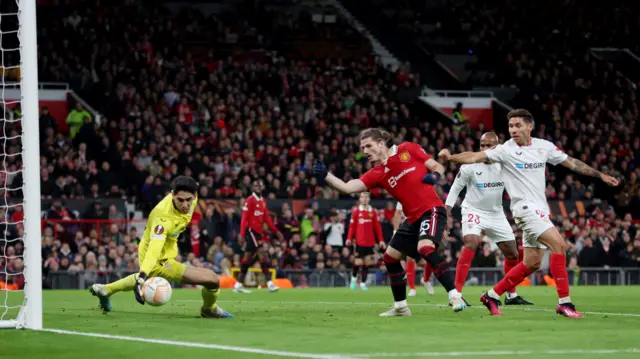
{"x":156,"y":291}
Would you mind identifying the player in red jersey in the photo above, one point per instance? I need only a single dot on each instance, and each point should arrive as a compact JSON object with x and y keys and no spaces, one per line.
{"x":410,"y":266}
{"x":365,"y":226}
{"x":408,"y":173}
{"x":254,"y":214}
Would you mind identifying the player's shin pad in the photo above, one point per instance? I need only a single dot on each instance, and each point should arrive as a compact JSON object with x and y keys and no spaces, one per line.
{"x":439,"y":266}
{"x":397,"y":278}
{"x":125,"y":284}
{"x":209,"y":298}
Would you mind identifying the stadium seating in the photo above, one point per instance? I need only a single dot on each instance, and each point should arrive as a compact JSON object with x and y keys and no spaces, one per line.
{"x":230,"y":97}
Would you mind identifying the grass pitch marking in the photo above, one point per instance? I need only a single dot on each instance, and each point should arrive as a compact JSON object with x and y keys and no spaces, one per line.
{"x":200,"y":345}
{"x":636,"y":315}
{"x":499,"y":353}
{"x":341,"y":356}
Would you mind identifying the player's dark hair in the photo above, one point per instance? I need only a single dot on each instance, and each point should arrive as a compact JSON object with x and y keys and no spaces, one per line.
{"x":376,"y":134}
{"x":184,"y":184}
{"x":525,"y":115}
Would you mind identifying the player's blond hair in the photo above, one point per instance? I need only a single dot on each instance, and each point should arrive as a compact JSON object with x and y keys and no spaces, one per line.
{"x":376,"y":134}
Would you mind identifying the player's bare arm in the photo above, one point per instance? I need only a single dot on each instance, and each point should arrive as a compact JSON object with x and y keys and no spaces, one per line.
{"x":464,"y":157}
{"x":434,"y":166}
{"x":353,"y":186}
{"x":396,"y":220}
{"x":578,"y":166}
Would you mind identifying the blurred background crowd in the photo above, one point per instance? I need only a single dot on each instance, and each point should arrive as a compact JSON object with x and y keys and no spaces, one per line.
{"x":262,"y":90}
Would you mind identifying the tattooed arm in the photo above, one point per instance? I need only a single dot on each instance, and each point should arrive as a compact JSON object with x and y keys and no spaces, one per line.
{"x":578,"y":166}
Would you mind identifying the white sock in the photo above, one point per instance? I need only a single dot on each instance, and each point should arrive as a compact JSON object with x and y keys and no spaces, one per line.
{"x":492,"y":293}
{"x":401,"y":304}
{"x":511,"y":295}
{"x":564,"y":300}
{"x":453,"y":293}
{"x":238,"y":285}
{"x":354,"y":278}
{"x":270,"y":283}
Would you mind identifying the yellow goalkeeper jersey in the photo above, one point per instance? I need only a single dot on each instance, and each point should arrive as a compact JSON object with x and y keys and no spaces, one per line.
{"x":160,"y":239}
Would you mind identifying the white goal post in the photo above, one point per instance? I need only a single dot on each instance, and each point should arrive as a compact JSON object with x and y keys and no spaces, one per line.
{"x":21,"y":309}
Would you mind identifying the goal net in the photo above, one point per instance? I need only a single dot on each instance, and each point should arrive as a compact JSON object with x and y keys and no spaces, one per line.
{"x":20,"y":258}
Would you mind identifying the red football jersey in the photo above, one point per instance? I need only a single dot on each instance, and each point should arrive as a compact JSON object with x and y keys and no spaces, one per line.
{"x":401,"y":176}
{"x":365,"y":226}
{"x":254,"y":213}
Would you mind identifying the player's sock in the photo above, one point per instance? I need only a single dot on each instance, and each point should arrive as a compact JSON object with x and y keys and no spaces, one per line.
{"x":125,"y":284}
{"x":364,"y":273}
{"x":354,"y":271}
{"x":463,"y":266}
{"x":209,"y":298}
{"x":439,"y":266}
{"x":514,"y":277}
{"x":397,"y":280}
{"x":558,"y":265}
{"x":508,"y":265}
{"x":411,"y":274}
{"x":244,"y":268}
{"x":428,"y":270}
{"x":266,"y":268}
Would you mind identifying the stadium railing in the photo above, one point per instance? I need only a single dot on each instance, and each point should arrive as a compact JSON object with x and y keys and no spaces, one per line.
{"x":340,"y":278}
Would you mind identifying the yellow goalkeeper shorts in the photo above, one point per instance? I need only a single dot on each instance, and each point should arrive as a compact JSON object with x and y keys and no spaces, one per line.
{"x":169,"y":269}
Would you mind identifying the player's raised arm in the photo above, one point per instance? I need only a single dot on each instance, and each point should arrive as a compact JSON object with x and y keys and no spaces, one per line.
{"x":464,"y":157}
{"x":578,"y":166}
{"x":353,"y":186}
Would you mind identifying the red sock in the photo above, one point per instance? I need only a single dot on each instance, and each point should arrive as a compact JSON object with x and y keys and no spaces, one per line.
{"x":427,"y":272}
{"x":508,"y":265}
{"x":558,"y":264}
{"x":411,"y":274}
{"x":520,"y":254}
{"x":463,"y":266}
{"x":516,"y":275}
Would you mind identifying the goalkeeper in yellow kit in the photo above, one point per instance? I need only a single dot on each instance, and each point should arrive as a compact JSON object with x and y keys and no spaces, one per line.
{"x":159,"y":248}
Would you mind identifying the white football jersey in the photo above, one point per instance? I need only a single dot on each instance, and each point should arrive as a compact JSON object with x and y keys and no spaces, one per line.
{"x":524,"y":169}
{"x":485,"y":186}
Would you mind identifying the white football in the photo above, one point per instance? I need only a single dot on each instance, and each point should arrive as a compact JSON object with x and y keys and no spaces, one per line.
{"x":156,"y":291}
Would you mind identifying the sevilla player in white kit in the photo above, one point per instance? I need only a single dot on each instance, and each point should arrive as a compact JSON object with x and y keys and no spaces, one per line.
{"x":482,"y":212}
{"x":408,"y":173}
{"x":524,"y":160}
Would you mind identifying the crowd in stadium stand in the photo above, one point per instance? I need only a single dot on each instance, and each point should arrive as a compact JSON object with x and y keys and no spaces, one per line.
{"x":228,"y":115}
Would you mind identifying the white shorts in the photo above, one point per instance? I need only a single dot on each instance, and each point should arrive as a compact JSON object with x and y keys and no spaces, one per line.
{"x":533,"y":220}
{"x":495,"y":225}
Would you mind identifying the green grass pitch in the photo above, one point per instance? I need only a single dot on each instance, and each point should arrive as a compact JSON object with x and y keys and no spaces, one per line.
{"x":332,"y":324}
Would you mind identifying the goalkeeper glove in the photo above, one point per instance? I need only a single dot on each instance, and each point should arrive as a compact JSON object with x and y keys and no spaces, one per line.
{"x":319,"y":170}
{"x":137,"y":290}
{"x":431,"y":178}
